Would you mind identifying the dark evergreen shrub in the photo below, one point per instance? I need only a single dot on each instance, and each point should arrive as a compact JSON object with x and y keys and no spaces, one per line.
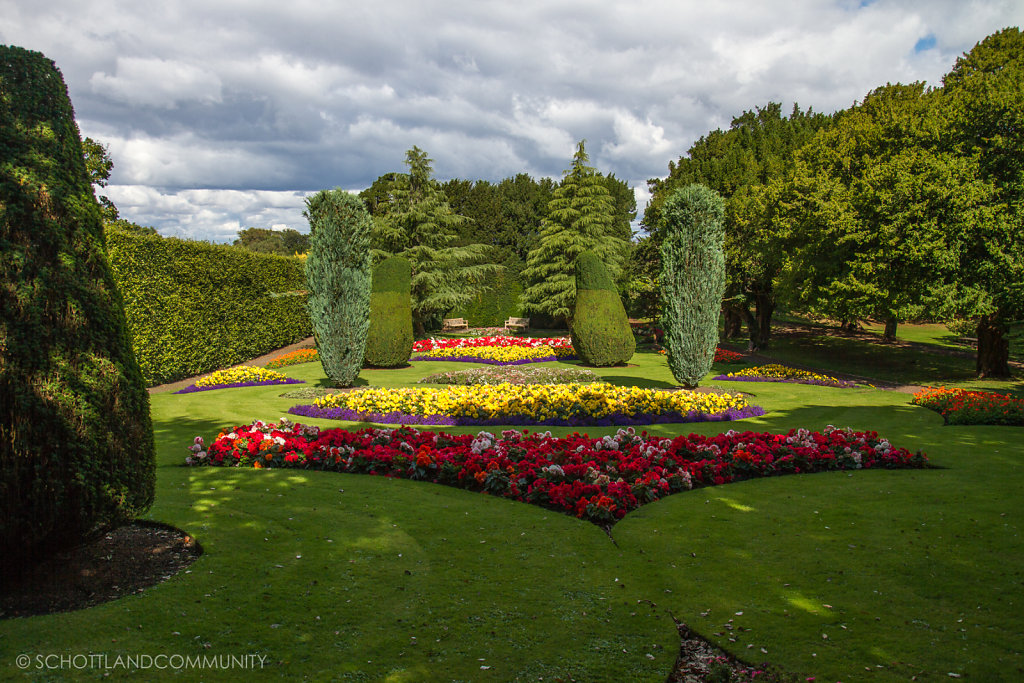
{"x":194,"y":307}
{"x":600,"y":328}
{"x":76,"y":442}
{"x":692,"y":280}
{"x":338,"y":277}
{"x":389,"y":341}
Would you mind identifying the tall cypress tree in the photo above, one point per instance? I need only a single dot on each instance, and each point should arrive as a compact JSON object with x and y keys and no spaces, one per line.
{"x":581,"y":217}
{"x":692,"y":280}
{"x":76,"y":441}
{"x":413,"y":220}
{"x":338,"y":277}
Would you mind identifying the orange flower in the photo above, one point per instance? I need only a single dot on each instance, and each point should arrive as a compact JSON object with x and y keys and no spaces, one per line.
{"x":480,"y":476}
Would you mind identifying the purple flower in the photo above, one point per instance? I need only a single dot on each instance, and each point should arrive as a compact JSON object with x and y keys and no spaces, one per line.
{"x":192,"y":388}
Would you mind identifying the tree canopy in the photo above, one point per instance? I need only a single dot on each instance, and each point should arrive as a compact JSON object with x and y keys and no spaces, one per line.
{"x":412,"y":219}
{"x":581,"y":217}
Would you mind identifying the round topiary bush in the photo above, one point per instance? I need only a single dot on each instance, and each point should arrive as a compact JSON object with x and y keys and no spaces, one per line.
{"x":389,"y":341}
{"x":76,"y":442}
{"x":600,"y":329}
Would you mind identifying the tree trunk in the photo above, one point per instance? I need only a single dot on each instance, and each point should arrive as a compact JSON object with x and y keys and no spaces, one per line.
{"x":890,"y":329}
{"x":733,"y":319}
{"x":993,"y":347}
{"x":753,"y":331}
{"x":419,"y":331}
{"x":765,"y":306}
{"x":849,"y":325}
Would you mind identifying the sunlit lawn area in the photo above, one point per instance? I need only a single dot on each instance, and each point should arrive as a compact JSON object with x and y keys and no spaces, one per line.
{"x":870,"y":575}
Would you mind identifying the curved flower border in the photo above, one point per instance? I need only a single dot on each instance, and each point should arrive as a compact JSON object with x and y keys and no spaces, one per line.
{"x":612,"y":419}
{"x":599,"y":479}
{"x":192,"y":388}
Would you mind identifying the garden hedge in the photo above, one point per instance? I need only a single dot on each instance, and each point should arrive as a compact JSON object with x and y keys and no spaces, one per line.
{"x":76,"y":441}
{"x":600,"y":329}
{"x":494,"y":304}
{"x":389,"y":339}
{"x":193,"y":307}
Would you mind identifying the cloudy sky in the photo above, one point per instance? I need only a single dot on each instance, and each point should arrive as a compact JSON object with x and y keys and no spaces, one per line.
{"x":224,"y":114}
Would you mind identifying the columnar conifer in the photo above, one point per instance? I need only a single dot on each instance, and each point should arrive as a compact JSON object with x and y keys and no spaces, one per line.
{"x":338,"y":276}
{"x":692,"y":280}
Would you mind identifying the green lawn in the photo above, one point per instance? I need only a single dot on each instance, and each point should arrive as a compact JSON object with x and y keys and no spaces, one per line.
{"x":844,"y":576}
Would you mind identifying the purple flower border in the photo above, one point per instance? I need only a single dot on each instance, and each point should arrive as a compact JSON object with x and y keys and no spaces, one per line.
{"x":840,"y":384}
{"x":192,"y":388}
{"x":491,"y":361}
{"x":615,"y":419}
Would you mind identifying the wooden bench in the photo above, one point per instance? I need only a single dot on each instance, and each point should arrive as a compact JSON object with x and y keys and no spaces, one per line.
{"x":454,"y":325}
{"x":517,"y":324}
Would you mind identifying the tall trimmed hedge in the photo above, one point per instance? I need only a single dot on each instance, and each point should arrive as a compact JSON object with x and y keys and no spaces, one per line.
{"x":600,"y":329}
{"x":389,"y":340}
{"x":194,"y":307}
{"x":76,"y":441}
{"x":493,"y":304}
{"x":338,"y":276}
{"x":692,"y":279}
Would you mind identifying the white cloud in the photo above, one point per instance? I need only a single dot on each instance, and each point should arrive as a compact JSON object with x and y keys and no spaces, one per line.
{"x":215,"y":215}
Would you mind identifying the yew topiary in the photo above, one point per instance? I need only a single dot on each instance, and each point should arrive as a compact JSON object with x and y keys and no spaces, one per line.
{"x":76,"y":441}
{"x":600,"y":329}
{"x":389,"y":341}
{"x":692,"y":280}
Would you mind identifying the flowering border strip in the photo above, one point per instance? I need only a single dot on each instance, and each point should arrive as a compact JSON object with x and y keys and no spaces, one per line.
{"x":192,"y":388}
{"x":613,"y":419}
{"x":491,"y":361}
{"x":296,"y":357}
{"x":597,"y":479}
{"x":972,"y":407}
{"x":839,"y":383}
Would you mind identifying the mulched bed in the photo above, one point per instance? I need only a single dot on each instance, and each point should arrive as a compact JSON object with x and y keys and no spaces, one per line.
{"x":124,"y":561}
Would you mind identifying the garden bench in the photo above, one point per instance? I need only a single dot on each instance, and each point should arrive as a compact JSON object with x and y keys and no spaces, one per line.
{"x":454,"y":325}
{"x":517,"y":324}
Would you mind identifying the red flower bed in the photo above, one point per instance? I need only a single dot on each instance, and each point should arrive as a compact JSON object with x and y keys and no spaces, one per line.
{"x":727,"y":356}
{"x":597,"y":479}
{"x":969,"y":407}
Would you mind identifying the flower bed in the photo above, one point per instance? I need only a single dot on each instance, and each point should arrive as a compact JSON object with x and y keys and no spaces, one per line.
{"x":721,"y":356}
{"x":294,"y":358}
{"x":492,"y":355}
{"x":596,"y":479}
{"x":241,"y":376}
{"x":560,"y":347}
{"x":512,"y":375}
{"x":531,"y":404}
{"x":969,"y":407}
{"x":782,"y":373}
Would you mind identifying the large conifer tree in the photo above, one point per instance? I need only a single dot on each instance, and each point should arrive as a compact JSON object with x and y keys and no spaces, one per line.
{"x":581,"y":217}
{"x":414,"y":221}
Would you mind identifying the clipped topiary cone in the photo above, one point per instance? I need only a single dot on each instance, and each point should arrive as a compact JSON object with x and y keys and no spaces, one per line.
{"x":76,"y":441}
{"x":600,"y":328}
{"x":389,"y":340}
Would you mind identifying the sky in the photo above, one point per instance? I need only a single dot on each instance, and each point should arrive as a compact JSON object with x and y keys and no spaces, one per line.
{"x":224,"y":114}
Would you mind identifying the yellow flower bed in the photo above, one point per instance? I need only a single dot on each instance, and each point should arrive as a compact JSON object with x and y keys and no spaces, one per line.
{"x":243,"y":373}
{"x":501,"y":354}
{"x":537,"y":401}
{"x":783,"y":373}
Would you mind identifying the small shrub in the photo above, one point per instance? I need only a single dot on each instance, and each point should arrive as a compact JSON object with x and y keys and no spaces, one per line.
{"x":600,"y":329}
{"x":389,"y":340}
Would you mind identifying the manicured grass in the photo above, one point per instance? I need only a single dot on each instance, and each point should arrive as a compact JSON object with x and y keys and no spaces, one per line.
{"x":413,"y":581}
